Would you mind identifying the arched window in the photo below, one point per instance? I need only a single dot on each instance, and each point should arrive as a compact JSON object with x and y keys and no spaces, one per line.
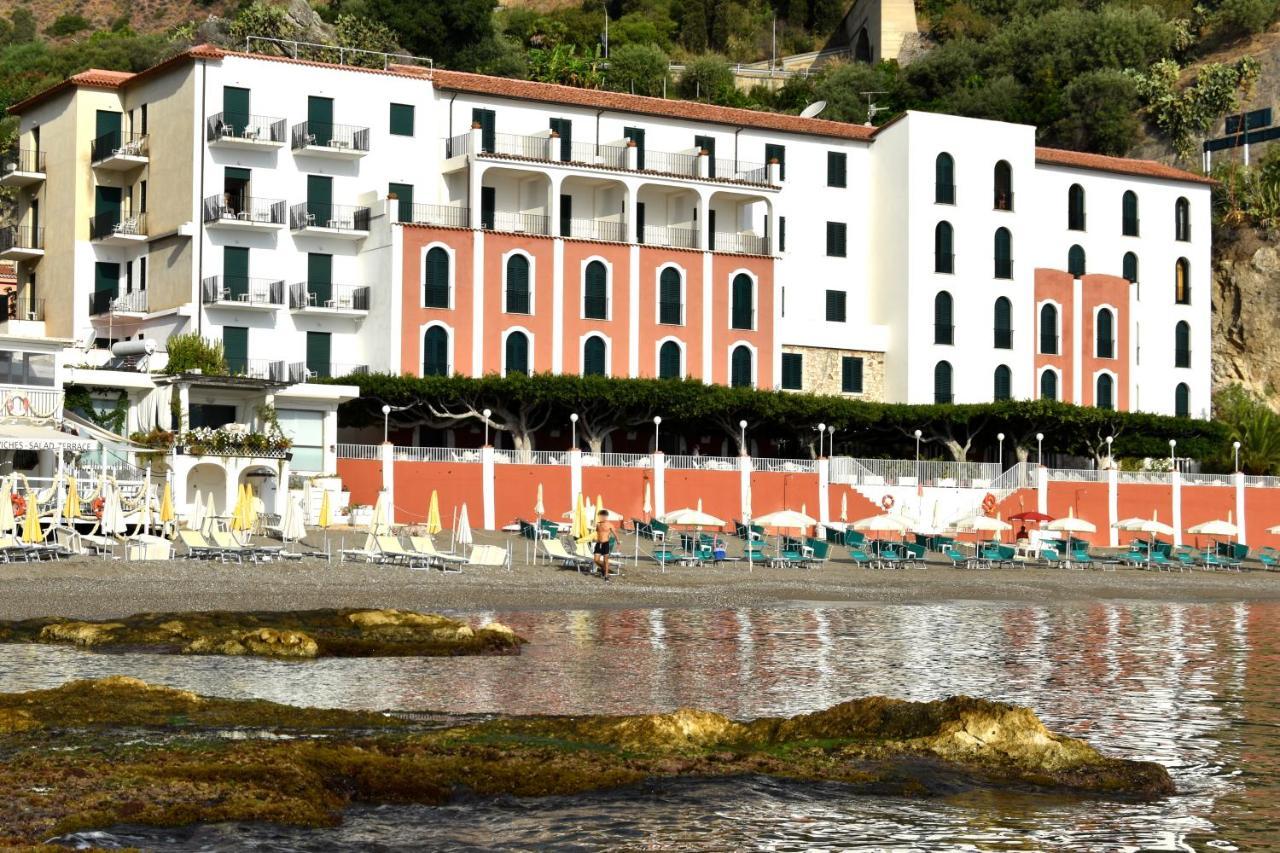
{"x":1105,"y":334}
{"x":1182,"y":344}
{"x":517,"y":300}
{"x":670,"y":298}
{"x":435,"y":286}
{"x":1049,"y":329}
{"x":1182,"y":400}
{"x":595,"y":292}
{"x":435,"y":352}
{"x":743,"y":298}
{"x":1004,"y":323}
{"x":942,"y":382}
{"x":1075,"y":261}
{"x":1130,"y":267}
{"x":669,"y":366}
{"x":1049,"y":385}
{"x":1129,"y":214}
{"x":593,"y":360}
{"x":1003,"y":186}
{"x":517,"y":353}
{"x":944,"y":179}
{"x":1105,"y":396}
{"x":1003,"y":383}
{"x":862,"y":47}
{"x":943,"y":324}
{"x":1075,"y":208}
{"x":740,"y":367}
{"x":1004,"y":253}
{"x":1182,"y":282}
{"x":1182,"y":219}
{"x":943,"y":257}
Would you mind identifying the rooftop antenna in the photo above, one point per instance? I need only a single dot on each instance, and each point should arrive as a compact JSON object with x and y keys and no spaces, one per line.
{"x":872,"y":108}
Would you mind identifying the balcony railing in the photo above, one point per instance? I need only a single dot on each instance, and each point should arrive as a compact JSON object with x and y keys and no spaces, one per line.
{"x":301,"y":371}
{"x":309,"y":134}
{"x":241,"y":208}
{"x":607,"y":156}
{"x":106,"y":302}
{"x":240,"y":126}
{"x":24,"y":160}
{"x":351,"y":297}
{"x":22,"y":237}
{"x":440,"y":214}
{"x":20,"y":307}
{"x":667,"y":235}
{"x":595,"y":307}
{"x":737,"y":170}
{"x":258,"y":368}
{"x":595,"y":229}
{"x":670,"y":163}
{"x":739,"y":243}
{"x":23,"y":401}
{"x":106,"y":225}
{"x":341,"y":217}
{"x":118,"y":144}
{"x":241,"y":289}
{"x":518,"y":223}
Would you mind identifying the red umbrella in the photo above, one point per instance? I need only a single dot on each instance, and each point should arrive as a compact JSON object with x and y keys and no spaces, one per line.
{"x":1030,"y":515}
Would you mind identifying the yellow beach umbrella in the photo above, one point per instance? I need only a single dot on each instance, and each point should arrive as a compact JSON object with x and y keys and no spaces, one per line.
{"x":579,"y":529}
{"x":250,"y":508}
{"x":539,"y":508}
{"x":166,"y":504}
{"x":648,"y":499}
{"x":324,"y":520}
{"x":31,"y":523}
{"x":433,"y":515}
{"x":844,"y":507}
{"x":240,"y":513}
{"x":72,"y":509}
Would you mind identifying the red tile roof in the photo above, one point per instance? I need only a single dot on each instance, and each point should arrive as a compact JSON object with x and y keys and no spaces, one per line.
{"x":1121,"y":165}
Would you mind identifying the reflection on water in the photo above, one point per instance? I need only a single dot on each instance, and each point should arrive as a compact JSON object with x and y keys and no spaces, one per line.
{"x":1191,"y":686}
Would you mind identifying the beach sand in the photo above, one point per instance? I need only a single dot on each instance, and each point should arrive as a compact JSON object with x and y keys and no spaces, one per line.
{"x":96,"y":588}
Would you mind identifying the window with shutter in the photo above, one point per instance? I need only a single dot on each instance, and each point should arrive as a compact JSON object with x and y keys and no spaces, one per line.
{"x":943,"y":255}
{"x":792,"y":371}
{"x":518,"y":301}
{"x":402,"y":120}
{"x":1049,"y":385}
{"x":1129,"y":214}
{"x":942,"y":382}
{"x":593,"y":356}
{"x":777,"y":152}
{"x":235,"y":349}
{"x":670,"y":298}
{"x":1004,"y":253}
{"x":1049,"y":330}
{"x":319,"y":351}
{"x":1182,"y":344}
{"x":1003,"y":383}
{"x":782,"y":233}
{"x":1105,"y":334}
{"x":435,"y":289}
{"x":404,"y":201}
{"x":1182,"y":401}
{"x":944,"y":179}
{"x":943,"y":327}
{"x":1075,"y":261}
{"x":487,"y":120}
{"x":435,"y":352}
{"x":1130,"y":267}
{"x":836,"y":239}
{"x":743,"y":302}
{"x":740,"y":367}
{"x":1103,"y":399}
{"x":836,"y":306}
{"x":564,"y":127}
{"x":837,"y":162}
{"x":1003,"y":186}
{"x":1003,"y":323}
{"x":669,"y":361}
{"x":1075,"y":208}
{"x":851,"y":374}
{"x":636,"y":135}
{"x":1182,"y":220}
{"x":517,"y":353}
{"x":595,"y":299}
{"x":1182,"y":282}
{"x":707,"y":144}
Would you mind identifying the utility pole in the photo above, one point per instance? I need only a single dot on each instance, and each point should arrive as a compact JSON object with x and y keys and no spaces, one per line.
{"x":773,"y":51}
{"x":605,"y":5}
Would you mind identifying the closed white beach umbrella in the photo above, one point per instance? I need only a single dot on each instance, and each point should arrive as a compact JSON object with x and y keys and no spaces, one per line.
{"x":6,"y":506}
{"x":293,"y":528}
{"x":195,"y":513}
{"x":112,"y":514}
{"x":462,"y":535}
{"x":377,"y":522}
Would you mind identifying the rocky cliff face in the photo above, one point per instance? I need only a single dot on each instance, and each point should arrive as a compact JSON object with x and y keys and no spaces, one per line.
{"x":1246,"y":311}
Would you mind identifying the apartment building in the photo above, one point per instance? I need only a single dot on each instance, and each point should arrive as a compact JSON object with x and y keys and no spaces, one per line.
{"x":324,"y":220}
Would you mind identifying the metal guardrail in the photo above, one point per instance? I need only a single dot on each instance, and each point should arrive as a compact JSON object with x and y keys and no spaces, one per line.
{"x":239,"y":208}
{"x":908,"y":472}
{"x":258,"y":368}
{"x":20,"y":308}
{"x":362,"y":451}
{"x":25,"y":160}
{"x":742,"y":243}
{"x":1162,"y":478}
{"x":22,"y":237}
{"x":324,"y":135}
{"x":28,"y":402}
{"x":785,"y":466}
{"x":317,"y":52}
{"x":596,"y":229}
{"x":606,"y":156}
{"x":515,"y":223}
{"x":440,"y":214}
{"x":245,"y":127}
{"x":352,"y":297}
{"x":1078,"y":475}
{"x":110,"y":224}
{"x":339,"y":217}
{"x":118,"y":144}
{"x":104,"y":302}
{"x":241,"y":290}
{"x":672,"y":236}
{"x":1189,"y":479}
{"x":626,"y":460}
{"x":300,"y":371}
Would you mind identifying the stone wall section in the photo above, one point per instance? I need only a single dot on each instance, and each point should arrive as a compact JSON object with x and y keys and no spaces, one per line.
{"x":823,"y":371}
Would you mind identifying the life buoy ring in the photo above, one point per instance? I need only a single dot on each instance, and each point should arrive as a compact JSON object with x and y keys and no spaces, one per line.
{"x":887,"y":502}
{"x":96,"y":506}
{"x":19,"y":504}
{"x":989,"y":504}
{"x":17,"y":407}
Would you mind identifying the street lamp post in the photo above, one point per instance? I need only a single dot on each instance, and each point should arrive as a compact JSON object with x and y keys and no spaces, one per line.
{"x":1040,"y":448}
{"x":742,"y":433}
{"x":1173,"y":460}
{"x":822,"y":432}
{"x":831,"y":439}
{"x":1235,"y":445}
{"x":1000,"y":453}
{"x":918,"y":435}
{"x":1111,"y":461}
{"x":573,"y":430}
{"x":486,"y":413}
{"x":657,"y":422}
{"x":386,"y":416}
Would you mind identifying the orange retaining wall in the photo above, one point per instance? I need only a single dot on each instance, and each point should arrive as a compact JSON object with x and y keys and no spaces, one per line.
{"x":516,"y":492}
{"x":1087,"y":501}
{"x":621,"y":489}
{"x":719,"y":491}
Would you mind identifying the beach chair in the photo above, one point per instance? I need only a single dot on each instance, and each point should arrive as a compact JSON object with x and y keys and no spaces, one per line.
{"x":228,"y":542}
{"x":1081,"y":557}
{"x":391,"y":551}
{"x":861,"y":558}
{"x":198,"y":548}
{"x":1051,"y":556}
{"x":1157,"y":560}
{"x":367,"y":554}
{"x":531,"y":531}
{"x":958,"y":559}
{"x":641,"y":528}
{"x":819,"y":550}
{"x":914,"y":554}
{"x":69,"y":542}
{"x":892,"y":557}
{"x":147,"y":547}
{"x":425,"y":546}
{"x":1269,"y":557}
{"x":489,"y":557}
{"x":658,"y":530}
{"x":12,"y":551}
{"x":790,"y":553}
{"x":753,"y":552}
{"x":1185,"y":559}
{"x":1133,"y":557}
{"x":554,"y":550}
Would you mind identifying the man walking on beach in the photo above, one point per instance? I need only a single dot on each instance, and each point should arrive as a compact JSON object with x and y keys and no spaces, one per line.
{"x":604,"y":531}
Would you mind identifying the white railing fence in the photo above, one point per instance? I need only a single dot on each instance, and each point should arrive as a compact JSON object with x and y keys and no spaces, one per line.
{"x":908,"y":472}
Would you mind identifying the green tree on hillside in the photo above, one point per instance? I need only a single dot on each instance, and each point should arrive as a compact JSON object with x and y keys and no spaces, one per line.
{"x":441,"y":29}
{"x":637,"y":68}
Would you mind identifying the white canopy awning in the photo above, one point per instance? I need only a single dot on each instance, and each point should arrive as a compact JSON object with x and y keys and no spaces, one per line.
{"x":30,"y":437}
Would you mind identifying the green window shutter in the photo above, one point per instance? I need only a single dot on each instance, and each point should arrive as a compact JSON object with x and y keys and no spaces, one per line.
{"x":595,"y":297}
{"x":435,"y":352}
{"x":1182,"y":220}
{"x":836,"y":239}
{"x":106,"y":202}
{"x":943,"y":327}
{"x":1104,"y":397}
{"x":593,"y":361}
{"x":670,"y":307}
{"x":1182,"y":344}
{"x":1048,"y":385}
{"x":1182,"y":401}
{"x":669,"y":361}
{"x":837,"y":311}
{"x":1003,"y":383}
{"x":566,"y":215}
{"x":782,"y":233}
{"x":517,"y":353}
{"x":488,"y":122}
{"x":1003,"y":323}
{"x":1129,"y":214}
{"x":488,"y":204}
{"x":851,"y":374}
{"x":708,"y":144}
{"x":836,"y":169}
{"x":320,"y":119}
{"x":636,"y":135}
{"x":942,"y":382}
{"x":564,"y":127}
{"x":1004,"y":253}
{"x":320,"y":198}
{"x":517,"y":301}
{"x":779,"y":153}
{"x":943,"y":255}
{"x":235,"y":348}
{"x":1075,"y":261}
{"x":106,"y":286}
{"x":1105,"y":335}
{"x":235,"y":270}
{"x":318,"y":354}
{"x":404,"y":201}
{"x":743,"y":302}
{"x":108,"y":124}
{"x":1075,"y":208}
{"x":320,"y":277}
{"x":1130,"y":267}
{"x":640,"y":222}
{"x":436,"y":287}
{"x":402,"y":119}
{"x":792,"y":371}
{"x":1003,"y":186}
{"x":1049,"y":330}
{"x":740,"y":367}
{"x":235,"y":108}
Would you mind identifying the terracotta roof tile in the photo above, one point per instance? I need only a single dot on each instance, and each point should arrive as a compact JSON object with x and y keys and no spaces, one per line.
{"x":1121,"y":165}
{"x":480,"y":84}
{"x":100,"y":77}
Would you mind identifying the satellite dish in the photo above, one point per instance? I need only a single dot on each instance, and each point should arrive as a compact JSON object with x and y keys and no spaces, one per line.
{"x":813,"y":109}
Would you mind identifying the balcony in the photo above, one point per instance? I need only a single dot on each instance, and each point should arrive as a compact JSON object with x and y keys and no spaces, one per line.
{"x":242,"y":293}
{"x":515,"y":223}
{"x":24,"y":402}
{"x":672,"y":236}
{"x":596,"y":229}
{"x":22,"y":167}
{"x":242,"y":213}
{"x":445,"y":215}
{"x":118,"y":151}
{"x":20,"y":308}
{"x":244,"y":132}
{"x":115,"y":229}
{"x":21,"y":243}
{"x":343,"y":221}
{"x":334,"y":141}
{"x":301,"y":371}
{"x":333,"y":300}
{"x":741,"y":243}
{"x":105,"y":302}
{"x":258,"y":368}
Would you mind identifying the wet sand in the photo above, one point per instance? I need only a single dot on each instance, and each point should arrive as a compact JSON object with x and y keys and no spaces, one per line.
{"x":95,"y":588}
